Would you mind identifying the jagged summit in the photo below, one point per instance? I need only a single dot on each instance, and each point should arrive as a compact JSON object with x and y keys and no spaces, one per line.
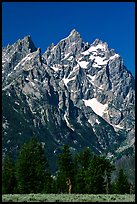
{"x":27,"y":38}
{"x":97,"y":41}
{"x":74,"y":36}
{"x":100,"y":44}
{"x":71,"y":45}
{"x":28,"y":42}
{"x":74,"y":32}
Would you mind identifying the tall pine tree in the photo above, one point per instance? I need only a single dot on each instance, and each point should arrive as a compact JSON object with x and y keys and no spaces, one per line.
{"x":65,"y":175}
{"x":98,"y":175}
{"x":122,"y":185}
{"x":8,"y":176}
{"x":82,"y":161}
{"x":32,"y":169}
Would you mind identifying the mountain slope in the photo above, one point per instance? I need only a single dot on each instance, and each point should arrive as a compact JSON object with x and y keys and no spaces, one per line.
{"x":76,"y":93}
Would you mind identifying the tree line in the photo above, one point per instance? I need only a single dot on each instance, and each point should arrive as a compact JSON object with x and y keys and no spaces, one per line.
{"x":83,"y":173}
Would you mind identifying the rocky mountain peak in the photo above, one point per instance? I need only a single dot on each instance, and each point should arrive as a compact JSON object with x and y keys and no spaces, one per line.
{"x":69,"y":46}
{"x":75,"y":93}
{"x":74,"y":34}
{"x":100,"y":45}
{"x":28,"y":43}
{"x":96,"y":42}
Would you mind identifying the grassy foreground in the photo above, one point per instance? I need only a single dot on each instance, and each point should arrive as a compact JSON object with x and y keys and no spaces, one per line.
{"x":68,"y":198}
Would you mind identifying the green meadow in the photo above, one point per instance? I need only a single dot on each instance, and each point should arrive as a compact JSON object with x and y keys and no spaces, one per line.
{"x":68,"y":198}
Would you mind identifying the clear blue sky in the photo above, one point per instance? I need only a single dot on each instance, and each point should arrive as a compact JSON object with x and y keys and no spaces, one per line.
{"x":47,"y":22}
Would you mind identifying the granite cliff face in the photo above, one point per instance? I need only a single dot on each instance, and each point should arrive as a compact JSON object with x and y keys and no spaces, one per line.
{"x":76,"y":93}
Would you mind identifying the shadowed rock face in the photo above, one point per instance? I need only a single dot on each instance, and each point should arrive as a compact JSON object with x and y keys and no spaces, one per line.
{"x":76,"y":93}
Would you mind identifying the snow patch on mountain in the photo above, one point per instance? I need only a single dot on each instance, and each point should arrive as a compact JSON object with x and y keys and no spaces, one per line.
{"x":83,"y":64}
{"x":97,"y":121}
{"x":114,"y":56}
{"x":94,"y":49}
{"x":68,"y":124}
{"x":91,"y":78}
{"x":66,"y":80}
{"x":55,"y":68}
{"x":96,"y":106}
{"x":24,"y":60}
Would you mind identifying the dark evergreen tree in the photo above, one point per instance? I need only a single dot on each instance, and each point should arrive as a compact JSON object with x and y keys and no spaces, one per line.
{"x":98,"y":175}
{"x":122,"y":185}
{"x":32,"y":169}
{"x":54,"y":187}
{"x":65,"y":174}
{"x":47,"y":182}
{"x":94,"y":177}
{"x":8,"y":176}
{"x":108,"y":169}
{"x":82,"y":161}
{"x":80,"y":183}
{"x":84,"y":158}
